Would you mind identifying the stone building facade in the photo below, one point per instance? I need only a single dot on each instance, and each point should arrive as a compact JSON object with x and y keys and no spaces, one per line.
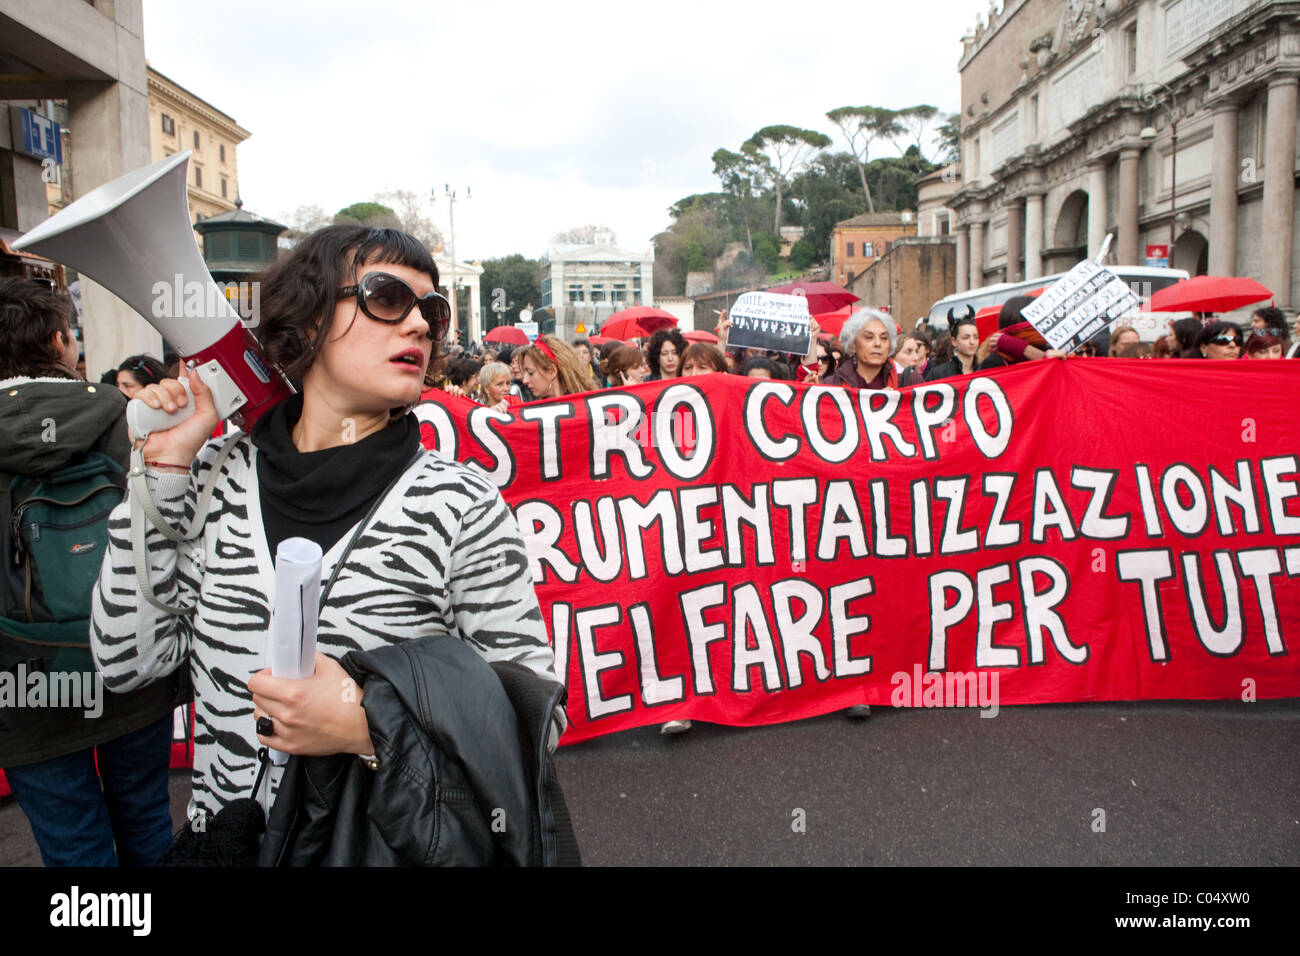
{"x":917,"y":272}
{"x":181,"y":120}
{"x":90,"y":55}
{"x":859,"y":242}
{"x":1070,"y":110}
{"x":588,"y":283}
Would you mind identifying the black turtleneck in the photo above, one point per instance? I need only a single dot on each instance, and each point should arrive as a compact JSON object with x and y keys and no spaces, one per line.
{"x":319,"y":495}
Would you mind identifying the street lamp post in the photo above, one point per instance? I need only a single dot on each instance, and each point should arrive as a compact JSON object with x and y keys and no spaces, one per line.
{"x":1147,"y":97}
{"x":451,"y":219}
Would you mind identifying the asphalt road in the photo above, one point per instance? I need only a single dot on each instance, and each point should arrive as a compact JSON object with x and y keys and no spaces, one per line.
{"x":1174,"y":784}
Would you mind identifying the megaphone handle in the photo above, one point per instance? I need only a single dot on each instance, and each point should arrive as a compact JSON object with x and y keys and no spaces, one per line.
{"x":142,"y":420}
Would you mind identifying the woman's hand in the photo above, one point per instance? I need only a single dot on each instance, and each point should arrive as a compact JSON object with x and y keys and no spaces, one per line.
{"x":720,"y":330}
{"x":454,"y":390}
{"x":501,"y":406}
{"x":179,"y":444}
{"x":816,"y":330}
{"x":318,"y":715}
{"x":986,"y":348}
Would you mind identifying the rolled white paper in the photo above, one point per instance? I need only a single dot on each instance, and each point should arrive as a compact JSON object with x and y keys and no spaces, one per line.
{"x":294,"y":614}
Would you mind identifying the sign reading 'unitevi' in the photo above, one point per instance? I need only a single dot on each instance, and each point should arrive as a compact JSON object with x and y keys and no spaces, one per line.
{"x":747,"y":552}
{"x":770,"y":321}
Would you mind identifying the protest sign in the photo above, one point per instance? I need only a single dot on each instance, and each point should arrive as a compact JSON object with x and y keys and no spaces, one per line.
{"x":1079,"y":305}
{"x":748,"y":552}
{"x":769,"y":321}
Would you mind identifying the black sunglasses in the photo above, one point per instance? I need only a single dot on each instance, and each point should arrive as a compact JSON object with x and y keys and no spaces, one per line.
{"x":1226,"y":340}
{"x":388,"y":299}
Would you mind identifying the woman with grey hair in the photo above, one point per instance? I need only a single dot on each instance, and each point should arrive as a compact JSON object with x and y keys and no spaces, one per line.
{"x":494,"y":387}
{"x":869,"y":338}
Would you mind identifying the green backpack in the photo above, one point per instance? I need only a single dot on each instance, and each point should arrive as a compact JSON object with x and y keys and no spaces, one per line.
{"x":51,"y":548}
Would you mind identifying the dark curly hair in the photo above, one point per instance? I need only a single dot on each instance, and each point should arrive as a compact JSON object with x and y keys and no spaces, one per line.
{"x":31,"y":312}
{"x":656,"y":346}
{"x":145,"y":369}
{"x":300,"y":291}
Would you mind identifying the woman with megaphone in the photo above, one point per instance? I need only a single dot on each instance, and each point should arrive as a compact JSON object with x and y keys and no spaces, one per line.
{"x":414,"y":545}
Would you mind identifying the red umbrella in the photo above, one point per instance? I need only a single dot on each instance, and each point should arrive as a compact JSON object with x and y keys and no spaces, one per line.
{"x":597,"y":340}
{"x":623,"y":329}
{"x":506,"y":335}
{"x":822,"y":296}
{"x":638,"y":321}
{"x":832,"y":322}
{"x":699,"y":335}
{"x":1209,"y":294}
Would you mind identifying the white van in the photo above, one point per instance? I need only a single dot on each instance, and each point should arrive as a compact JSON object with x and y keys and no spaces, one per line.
{"x":1144,"y":280}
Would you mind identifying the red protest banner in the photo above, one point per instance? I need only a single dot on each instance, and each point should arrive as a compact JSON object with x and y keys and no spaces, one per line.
{"x":747,"y":551}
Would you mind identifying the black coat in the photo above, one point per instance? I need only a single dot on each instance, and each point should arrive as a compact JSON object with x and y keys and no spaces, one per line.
{"x":465,"y":778}
{"x":948,"y":369}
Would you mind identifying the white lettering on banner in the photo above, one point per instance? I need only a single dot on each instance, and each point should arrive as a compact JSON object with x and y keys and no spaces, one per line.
{"x":697,"y":528}
{"x":678,"y":433}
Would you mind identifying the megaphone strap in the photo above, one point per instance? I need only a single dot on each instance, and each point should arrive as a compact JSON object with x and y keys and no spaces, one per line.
{"x":142,"y":504}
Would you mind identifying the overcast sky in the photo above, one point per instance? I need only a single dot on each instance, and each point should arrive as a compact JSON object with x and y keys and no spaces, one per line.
{"x":555,"y":115}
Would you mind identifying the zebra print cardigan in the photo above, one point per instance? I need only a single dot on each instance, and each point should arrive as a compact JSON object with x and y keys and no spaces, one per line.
{"x":442,"y":554}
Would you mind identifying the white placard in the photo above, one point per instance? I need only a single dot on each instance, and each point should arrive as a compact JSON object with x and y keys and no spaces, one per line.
{"x":1080,"y":304}
{"x":768,"y":320}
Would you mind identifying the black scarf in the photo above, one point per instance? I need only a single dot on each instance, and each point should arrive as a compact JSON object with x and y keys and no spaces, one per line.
{"x":319,"y":495}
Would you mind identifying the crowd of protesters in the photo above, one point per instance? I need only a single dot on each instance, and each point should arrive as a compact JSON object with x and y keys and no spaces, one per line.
{"x":871,"y":351}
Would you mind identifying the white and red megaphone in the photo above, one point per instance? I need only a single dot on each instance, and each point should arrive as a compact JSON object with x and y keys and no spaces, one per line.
{"x":132,"y":235}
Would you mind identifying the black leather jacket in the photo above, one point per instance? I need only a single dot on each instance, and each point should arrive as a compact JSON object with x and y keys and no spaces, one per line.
{"x":464,"y":775}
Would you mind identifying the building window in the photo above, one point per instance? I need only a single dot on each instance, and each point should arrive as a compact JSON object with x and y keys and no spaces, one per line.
{"x":868,"y":250}
{"x":1131,"y":48}
{"x":221,"y":151}
{"x":850,"y":253}
{"x":168,"y":125}
{"x":198,"y":177}
{"x":223,"y":187}
{"x":1033,"y":116}
{"x":196,"y":139}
